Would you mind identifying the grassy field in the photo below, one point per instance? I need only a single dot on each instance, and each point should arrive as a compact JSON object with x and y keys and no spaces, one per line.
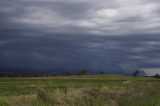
{"x":98,"y":90}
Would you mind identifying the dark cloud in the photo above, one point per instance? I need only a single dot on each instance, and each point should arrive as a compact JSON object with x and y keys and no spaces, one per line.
{"x":113,"y":36}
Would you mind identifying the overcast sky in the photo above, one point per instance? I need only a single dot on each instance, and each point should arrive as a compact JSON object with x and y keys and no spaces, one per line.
{"x":114,"y":36}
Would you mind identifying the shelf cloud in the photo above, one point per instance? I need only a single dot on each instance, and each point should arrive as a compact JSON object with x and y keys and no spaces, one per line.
{"x":71,"y":35}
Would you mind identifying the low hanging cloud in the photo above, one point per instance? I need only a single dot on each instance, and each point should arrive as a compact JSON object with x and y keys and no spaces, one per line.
{"x":69,"y":35}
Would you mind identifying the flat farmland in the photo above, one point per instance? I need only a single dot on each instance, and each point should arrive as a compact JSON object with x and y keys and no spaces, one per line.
{"x":82,"y":90}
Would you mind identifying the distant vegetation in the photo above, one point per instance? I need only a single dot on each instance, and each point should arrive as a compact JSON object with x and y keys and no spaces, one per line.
{"x":157,"y":76}
{"x":13,"y":74}
{"x":136,"y":73}
{"x":81,"y":72}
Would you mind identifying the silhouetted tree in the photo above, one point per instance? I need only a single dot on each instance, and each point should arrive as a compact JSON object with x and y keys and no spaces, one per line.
{"x":157,"y":76}
{"x":101,"y":72}
{"x":82,"y":72}
{"x":135,"y":73}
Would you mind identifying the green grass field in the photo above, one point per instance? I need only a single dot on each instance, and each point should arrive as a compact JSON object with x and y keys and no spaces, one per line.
{"x":86,"y":90}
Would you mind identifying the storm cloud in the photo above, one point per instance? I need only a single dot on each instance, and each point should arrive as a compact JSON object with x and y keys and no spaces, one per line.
{"x":114,"y":36}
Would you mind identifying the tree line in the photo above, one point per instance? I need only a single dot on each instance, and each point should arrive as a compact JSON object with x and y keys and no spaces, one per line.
{"x":81,"y":72}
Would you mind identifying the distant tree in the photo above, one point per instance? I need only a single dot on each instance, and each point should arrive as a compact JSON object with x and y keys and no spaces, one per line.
{"x":82,"y":72}
{"x":157,"y":76}
{"x":135,"y":73}
{"x":101,"y":72}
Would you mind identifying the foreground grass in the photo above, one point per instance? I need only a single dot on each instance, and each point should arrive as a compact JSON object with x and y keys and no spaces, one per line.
{"x":105,"y":90}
